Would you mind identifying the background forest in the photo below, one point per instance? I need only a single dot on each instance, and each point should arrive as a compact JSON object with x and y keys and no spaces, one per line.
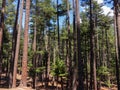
{"x":60,"y":44}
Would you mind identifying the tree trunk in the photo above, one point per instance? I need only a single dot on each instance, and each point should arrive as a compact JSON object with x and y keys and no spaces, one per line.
{"x":80,"y":61}
{"x":58,"y":25}
{"x":74,"y":83}
{"x":54,"y":55}
{"x":34,"y":39}
{"x":25,"y":47}
{"x":49,"y":55}
{"x":86,"y":68}
{"x":67,"y":63}
{"x":14,"y":39}
{"x":117,"y":46}
{"x":1,"y":33}
{"x":69,"y":47}
{"x":17,"y":46}
{"x":93,"y":83}
{"x":34,"y":57}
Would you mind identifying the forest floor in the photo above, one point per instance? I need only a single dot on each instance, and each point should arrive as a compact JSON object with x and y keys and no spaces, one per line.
{"x":40,"y":86}
{"x":27,"y":88}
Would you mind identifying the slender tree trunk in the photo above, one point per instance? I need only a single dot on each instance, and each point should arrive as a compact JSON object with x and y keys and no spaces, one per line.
{"x":74,"y":83}
{"x":86,"y":68}
{"x":34,"y":39}
{"x":80,"y":61}
{"x":34,"y":68}
{"x":1,"y":33}
{"x":54,"y":54}
{"x":62,"y":51}
{"x":97,"y":51}
{"x":117,"y":34}
{"x":25,"y":47}
{"x":117,"y":60}
{"x":118,"y":31}
{"x":69,"y":47}
{"x":34,"y":57}
{"x":96,"y":54}
{"x":91,"y":48}
{"x":67,"y":62}
{"x":17,"y":46}
{"x":58,"y":24}
{"x":93,"y":83}
{"x":49,"y":54}
{"x":14,"y":39}
{"x":47,"y":62}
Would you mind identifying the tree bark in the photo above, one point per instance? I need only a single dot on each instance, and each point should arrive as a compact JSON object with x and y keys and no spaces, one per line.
{"x":14,"y":39}
{"x":117,"y":34}
{"x":17,"y":45}
{"x":25,"y":47}
{"x":69,"y":48}
{"x":74,"y":83}
{"x":80,"y":61}
{"x":93,"y":83}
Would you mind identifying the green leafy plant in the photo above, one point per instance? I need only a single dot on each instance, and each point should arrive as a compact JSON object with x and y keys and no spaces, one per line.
{"x":103,"y":70}
{"x":58,"y":69}
{"x":32,"y":70}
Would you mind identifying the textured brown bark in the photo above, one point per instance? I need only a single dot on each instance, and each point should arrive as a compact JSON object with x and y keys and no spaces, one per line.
{"x":54,"y":54}
{"x":74,"y":83}
{"x":69,"y":48}
{"x":117,"y":34}
{"x":80,"y":61}
{"x":14,"y":39}
{"x":95,"y":56}
{"x":25,"y":46}
{"x":118,"y":30}
{"x":1,"y":33}
{"x":34,"y":40}
{"x":67,"y":62}
{"x":117,"y":56}
{"x":48,"y":66}
{"x":49,"y":54}
{"x":17,"y":45}
{"x":93,"y":83}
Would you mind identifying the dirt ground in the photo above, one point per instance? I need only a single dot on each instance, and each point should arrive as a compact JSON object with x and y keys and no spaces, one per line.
{"x":40,"y":87}
{"x":18,"y":88}
{"x":48,"y":89}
